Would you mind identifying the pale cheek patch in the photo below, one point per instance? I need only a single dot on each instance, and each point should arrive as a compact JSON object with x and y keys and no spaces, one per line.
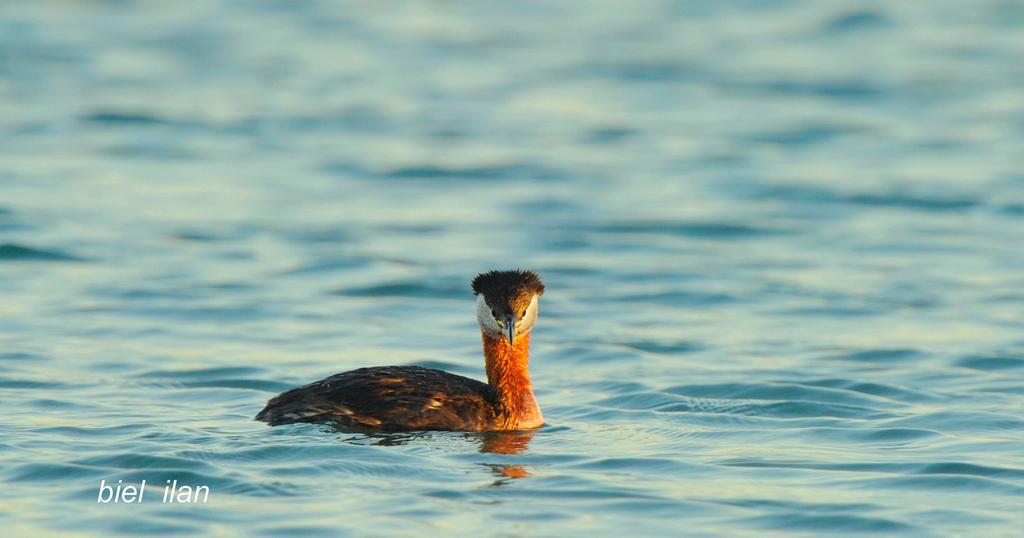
{"x":483,"y":316}
{"x":530,"y":318}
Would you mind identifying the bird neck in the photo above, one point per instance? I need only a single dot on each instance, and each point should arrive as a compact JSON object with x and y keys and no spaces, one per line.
{"x":509,"y":377}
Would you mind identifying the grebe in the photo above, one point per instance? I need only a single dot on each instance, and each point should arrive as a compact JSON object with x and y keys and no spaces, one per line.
{"x":405,"y":398}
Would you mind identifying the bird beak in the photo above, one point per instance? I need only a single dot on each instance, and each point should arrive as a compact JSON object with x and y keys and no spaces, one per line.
{"x":510,"y":330}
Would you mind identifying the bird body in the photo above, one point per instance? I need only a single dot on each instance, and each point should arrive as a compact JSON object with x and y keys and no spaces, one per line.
{"x":404,"y":398}
{"x":388,"y":398}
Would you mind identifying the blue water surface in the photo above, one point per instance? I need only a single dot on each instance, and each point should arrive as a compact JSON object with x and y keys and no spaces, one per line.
{"x":783,"y":243}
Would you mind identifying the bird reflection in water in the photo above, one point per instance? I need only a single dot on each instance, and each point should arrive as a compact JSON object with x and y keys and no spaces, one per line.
{"x":506,"y":442}
{"x":495,"y":442}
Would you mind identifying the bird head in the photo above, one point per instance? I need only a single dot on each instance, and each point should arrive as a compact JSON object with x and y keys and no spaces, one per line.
{"x":506,"y":304}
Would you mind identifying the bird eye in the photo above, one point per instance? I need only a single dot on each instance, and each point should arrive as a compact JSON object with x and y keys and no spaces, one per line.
{"x":494,"y":313}
{"x":524,"y":314}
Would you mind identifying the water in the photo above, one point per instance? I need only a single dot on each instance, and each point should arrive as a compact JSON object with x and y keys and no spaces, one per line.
{"x":781,"y":241}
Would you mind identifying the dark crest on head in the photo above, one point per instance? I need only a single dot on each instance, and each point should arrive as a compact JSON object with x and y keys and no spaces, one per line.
{"x":508,"y":291}
{"x":497,"y":282}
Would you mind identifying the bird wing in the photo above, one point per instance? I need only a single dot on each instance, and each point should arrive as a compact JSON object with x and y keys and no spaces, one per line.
{"x":388,"y":398}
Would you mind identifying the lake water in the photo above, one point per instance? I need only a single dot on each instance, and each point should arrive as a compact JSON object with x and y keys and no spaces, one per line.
{"x":783,"y":243}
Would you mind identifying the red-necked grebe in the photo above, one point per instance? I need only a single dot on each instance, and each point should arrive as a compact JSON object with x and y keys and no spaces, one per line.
{"x":403,"y":398}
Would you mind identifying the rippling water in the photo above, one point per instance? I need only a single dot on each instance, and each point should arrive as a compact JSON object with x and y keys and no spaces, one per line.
{"x":782,"y":242}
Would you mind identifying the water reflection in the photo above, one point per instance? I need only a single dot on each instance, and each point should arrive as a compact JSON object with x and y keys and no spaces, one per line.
{"x":516,"y":442}
{"x":381,"y":439}
{"x":510,"y":442}
{"x":506,"y":442}
{"x":506,"y":472}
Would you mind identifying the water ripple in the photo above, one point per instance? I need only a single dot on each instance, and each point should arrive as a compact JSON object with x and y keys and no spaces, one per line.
{"x":525,"y":172}
{"x":830,"y":523}
{"x":803,"y":194}
{"x":671,"y":403}
{"x":703,"y":230}
{"x":407,"y":289}
{"x":993,"y":363}
{"x":16,"y":252}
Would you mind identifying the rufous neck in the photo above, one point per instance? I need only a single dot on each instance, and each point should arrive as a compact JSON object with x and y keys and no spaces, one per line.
{"x":509,"y":377}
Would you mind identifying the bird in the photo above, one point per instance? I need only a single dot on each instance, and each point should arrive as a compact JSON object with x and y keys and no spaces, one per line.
{"x":411,"y":398}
